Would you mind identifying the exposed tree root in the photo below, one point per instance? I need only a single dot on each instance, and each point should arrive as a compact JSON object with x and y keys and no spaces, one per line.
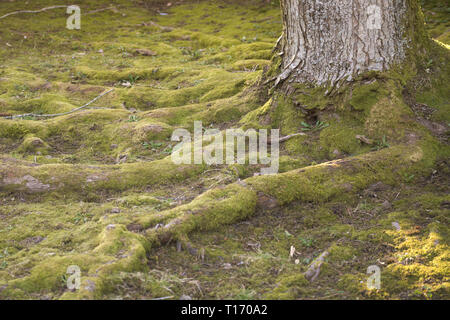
{"x":57,"y":114}
{"x":211,"y":210}
{"x":54,"y":7}
{"x":85,"y":178}
{"x":32,"y":11}
{"x":319,"y":183}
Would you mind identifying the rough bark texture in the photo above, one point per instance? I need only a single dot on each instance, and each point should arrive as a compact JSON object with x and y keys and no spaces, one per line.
{"x":325,"y":41}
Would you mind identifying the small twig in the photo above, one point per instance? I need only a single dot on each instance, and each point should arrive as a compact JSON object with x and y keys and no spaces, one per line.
{"x":283,"y":139}
{"x":163,"y":298}
{"x":314,"y":269}
{"x":56,"y":7}
{"x":113,"y":8}
{"x":32,"y":11}
{"x":58,"y":114}
{"x":363,"y":139}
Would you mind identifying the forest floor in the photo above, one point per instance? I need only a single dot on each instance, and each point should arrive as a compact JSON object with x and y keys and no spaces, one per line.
{"x":88,"y":186}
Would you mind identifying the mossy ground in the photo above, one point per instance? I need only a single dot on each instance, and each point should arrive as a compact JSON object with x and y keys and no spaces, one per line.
{"x":205,"y":63}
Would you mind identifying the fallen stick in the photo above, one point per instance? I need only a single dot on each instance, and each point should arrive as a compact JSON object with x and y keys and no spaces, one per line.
{"x":363,"y":139}
{"x":58,"y":114}
{"x":162,"y":298}
{"x":283,"y":139}
{"x":55,"y":7}
{"x":113,"y":8}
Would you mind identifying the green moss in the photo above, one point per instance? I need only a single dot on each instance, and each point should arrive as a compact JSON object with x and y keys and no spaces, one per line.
{"x":32,"y":144}
{"x":288,"y":288}
{"x":138,"y":200}
{"x":253,"y":64}
{"x":436,"y":18}
{"x":284,"y":116}
{"x":365,"y":96}
{"x":196,"y":74}
{"x":315,"y":183}
{"x":340,"y":138}
{"x":147,"y":130}
{"x":254,"y":118}
{"x":209,"y":211}
{"x":311,"y":97}
{"x":288,"y":163}
{"x":341,"y":253}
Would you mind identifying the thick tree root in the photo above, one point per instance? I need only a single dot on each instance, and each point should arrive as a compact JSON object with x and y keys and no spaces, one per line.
{"x":317,"y":184}
{"x":228,"y":205}
{"x":16,"y":177}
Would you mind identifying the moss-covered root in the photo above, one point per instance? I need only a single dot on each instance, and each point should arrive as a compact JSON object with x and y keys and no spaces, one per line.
{"x":317,"y":183}
{"x":15,"y":177}
{"x":339,"y":178}
{"x":121,"y":249}
{"x":211,"y":210}
{"x":118,"y":250}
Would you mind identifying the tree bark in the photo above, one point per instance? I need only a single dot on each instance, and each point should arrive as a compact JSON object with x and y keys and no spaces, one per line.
{"x":326,"y":41}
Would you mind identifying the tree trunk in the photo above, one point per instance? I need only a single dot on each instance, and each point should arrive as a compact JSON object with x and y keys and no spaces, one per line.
{"x":325,"y":41}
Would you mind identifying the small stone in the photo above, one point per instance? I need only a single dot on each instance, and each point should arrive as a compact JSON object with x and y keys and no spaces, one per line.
{"x":115,"y":210}
{"x":110,"y":226}
{"x":396,"y":225}
{"x":337,"y":153}
{"x":185,"y":297}
{"x":227,"y":266}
